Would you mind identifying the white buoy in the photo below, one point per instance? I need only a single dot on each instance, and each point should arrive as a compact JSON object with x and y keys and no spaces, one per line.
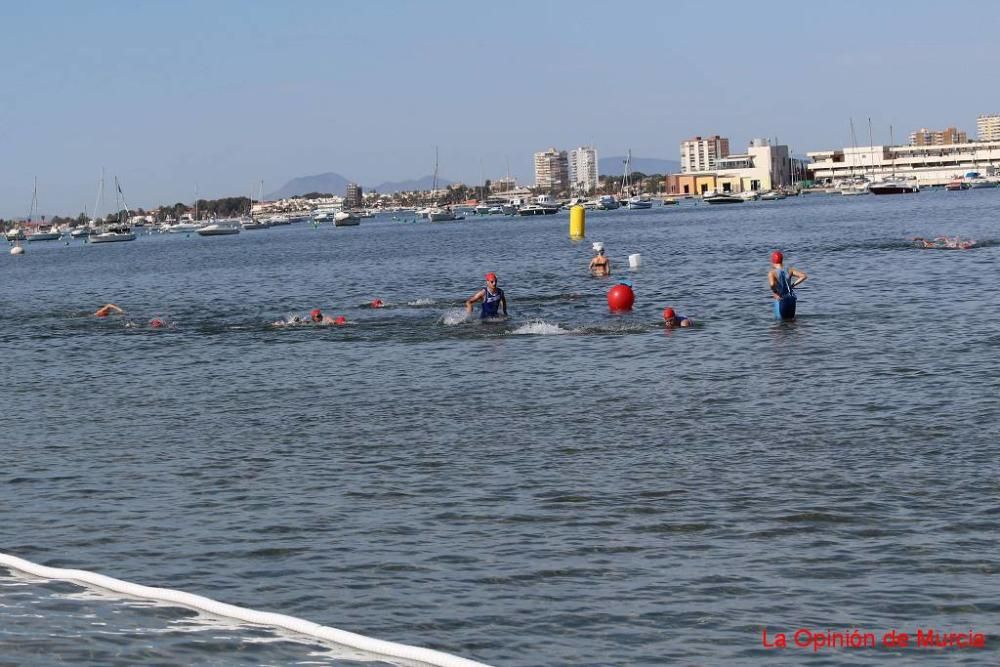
{"x":17,"y":250}
{"x":634,"y":261}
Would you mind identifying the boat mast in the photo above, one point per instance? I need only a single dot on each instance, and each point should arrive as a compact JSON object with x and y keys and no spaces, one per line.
{"x":854,"y":145}
{"x":99,"y":199}
{"x":893,"y":160}
{"x":626,"y":191}
{"x":871,"y":146}
{"x":434,"y":182}
{"x":34,"y":201}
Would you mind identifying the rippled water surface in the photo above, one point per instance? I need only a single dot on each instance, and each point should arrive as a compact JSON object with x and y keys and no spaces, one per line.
{"x":569,"y":487}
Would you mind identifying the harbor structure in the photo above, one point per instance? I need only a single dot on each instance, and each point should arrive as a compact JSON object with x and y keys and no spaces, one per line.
{"x":929,"y":165}
{"x":925,"y":137}
{"x":701,"y":154}
{"x":552,"y":170}
{"x":988,"y":127}
{"x":761,"y":168}
{"x":583,"y":169}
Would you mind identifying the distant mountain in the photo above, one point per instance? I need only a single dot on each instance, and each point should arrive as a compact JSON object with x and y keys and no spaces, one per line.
{"x":424,"y":183}
{"x":615,"y":166}
{"x":336,"y":184}
{"x":328,"y":182}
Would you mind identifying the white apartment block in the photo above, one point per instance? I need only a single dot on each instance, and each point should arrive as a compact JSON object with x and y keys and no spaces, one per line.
{"x":698,"y":154}
{"x":583,"y":169}
{"x":988,"y":127}
{"x":552,"y":170}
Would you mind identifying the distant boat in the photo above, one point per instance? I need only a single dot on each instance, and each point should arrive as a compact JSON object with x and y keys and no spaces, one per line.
{"x":722,"y":198}
{"x":539,"y":209}
{"x":772,"y":195}
{"x":639,"y":203}
{"x":346,"y":219}
{"x":49,"y":233}
{"x":892,"y":186}
{"x":439,"y":214}
{"x":117,"y":231}
{"x":608,"y":203}
{"x":222,"y":228}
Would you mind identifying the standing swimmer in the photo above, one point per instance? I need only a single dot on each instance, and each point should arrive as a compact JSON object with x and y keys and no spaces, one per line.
{"x":600,"y":265}
{"x":492,"y":297}
{"x":783,"y":283}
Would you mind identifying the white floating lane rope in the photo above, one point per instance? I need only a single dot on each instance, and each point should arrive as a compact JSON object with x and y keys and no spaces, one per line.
{"x":291,"y":623}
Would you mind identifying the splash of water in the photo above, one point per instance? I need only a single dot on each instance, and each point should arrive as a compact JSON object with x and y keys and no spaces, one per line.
{"x":539,"y":328}
{"x":455,"y":316}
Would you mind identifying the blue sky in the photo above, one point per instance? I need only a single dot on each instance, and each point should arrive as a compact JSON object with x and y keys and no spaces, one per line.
{"x":174,"y":96}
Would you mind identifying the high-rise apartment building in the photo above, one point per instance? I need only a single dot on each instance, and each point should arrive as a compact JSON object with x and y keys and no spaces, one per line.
{"x":988,"y":127}
{"x":583,"y":169}
{"x":925,"y":137}
{"x":354,"y":196}
{"x":700,"y":154}
{"x":552,"y":170}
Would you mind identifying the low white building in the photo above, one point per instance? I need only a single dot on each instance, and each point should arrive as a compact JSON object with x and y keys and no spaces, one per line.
{"x":929,"y":165}
{"x":763,"y":167}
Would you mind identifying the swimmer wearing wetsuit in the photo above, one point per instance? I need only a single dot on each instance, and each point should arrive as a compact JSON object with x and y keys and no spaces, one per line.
{"x":672,"y":319}
{"x":108,"y":309}
{"x":783,"y":282}
{"x":492,"y":297}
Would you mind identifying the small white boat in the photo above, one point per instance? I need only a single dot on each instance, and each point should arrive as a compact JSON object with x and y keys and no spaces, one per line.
{"x":182,"y":228}
{"x":249,"y":224}
{"x":539,"y":209}
{"x":639,"y":203}
{"x":608,"y":203}
{"x":772,"y":195}
{"x":48,"y":235}
{"x":438,"y":214}
{"x":722,"y":198}
{"x":14,"y":234}
{"x":482,"y":209}
{"x":113,"y":235}
{"x":346,"y":219}
{"x":79,"y":232}
{"x":223,"y":228}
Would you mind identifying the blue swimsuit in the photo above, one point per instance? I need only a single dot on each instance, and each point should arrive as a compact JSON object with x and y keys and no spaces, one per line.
{"x":491,"y":303}
{"x":784,"y":306}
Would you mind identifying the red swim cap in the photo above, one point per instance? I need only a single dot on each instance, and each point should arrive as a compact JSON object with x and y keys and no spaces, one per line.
{"x":340,"y":320}
{"x":668,"y":313}
{"x":156,"y":323}
{"x":491,"y":276}
{"x":377,"y":303}
{"x":315,"y":312}
{"x":777,"y":257}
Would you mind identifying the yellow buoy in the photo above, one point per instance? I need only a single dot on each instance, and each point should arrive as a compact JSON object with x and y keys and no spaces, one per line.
{"x":577,"y":222}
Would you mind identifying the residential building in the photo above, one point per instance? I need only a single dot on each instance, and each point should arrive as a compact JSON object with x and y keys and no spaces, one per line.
{"x":700,"y":154}
{"x":929,"y":165}
{"x":503,"y":184}
{"x":761,"y":168}
{"x":583,"y":169}
{"x":988,"y":127}
{"x":354,"y":198}
{"x":925,"y":137}
{"x":552,"y":170}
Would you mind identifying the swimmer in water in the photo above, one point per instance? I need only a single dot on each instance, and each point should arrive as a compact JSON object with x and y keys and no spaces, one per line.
{"x":600,"y":265}
{"x":316,"y":316}
{"x":378,"y":303}
{"x":783,"y":282}
{"x":492,"y":297}
{"x":946,"y":243}
{"x":108,"y":309}
{"x":672,"y":319}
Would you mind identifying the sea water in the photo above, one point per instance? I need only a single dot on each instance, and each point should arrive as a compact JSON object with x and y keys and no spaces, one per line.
{"x":565,"y":487}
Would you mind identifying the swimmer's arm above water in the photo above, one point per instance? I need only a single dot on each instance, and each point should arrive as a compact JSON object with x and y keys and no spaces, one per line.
{"x":476,"y":297}
{"x":795,"y":273}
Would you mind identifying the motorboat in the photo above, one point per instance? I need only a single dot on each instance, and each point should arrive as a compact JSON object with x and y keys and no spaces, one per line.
{"x":496,"y":210}
{"x":772,"y":195}
{"x":221,"y":228}
{"x":78,"y":232}
{"x":251,"y":224}
{"x":14,"y":234}
{"x":749,"y":195}
{"x":956,"y":185}
{"x":539,"y":209}
{"x":346,"y":219}
{"x":276,"y":220}
{"x":893,"y":187}
{"x":182,"y":228}
{"x":438,"y":214}
{"x":608,"y":203}
{"x":639,"y":203}
{"x":722,"y":198}
{"x":482,"y":209}
{"x":669,"y":201}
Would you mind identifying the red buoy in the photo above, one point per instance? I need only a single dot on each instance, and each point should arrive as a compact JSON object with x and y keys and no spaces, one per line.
{"x":621,"y":297}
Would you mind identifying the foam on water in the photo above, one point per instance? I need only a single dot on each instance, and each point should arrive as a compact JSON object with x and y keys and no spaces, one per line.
{"x":420,"y":302}
{"x":539,"y":328}
{"x":455,"y":316}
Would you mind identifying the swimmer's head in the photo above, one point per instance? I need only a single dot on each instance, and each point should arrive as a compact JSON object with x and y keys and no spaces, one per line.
{"x":668,"y":313}
{"x":156,"y":323}
{"x":491,"y":277}
{"x":340,"y":321}
{"x":316,"y":315}
{"x":377,"y":303}
{"x":777,"y":257}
